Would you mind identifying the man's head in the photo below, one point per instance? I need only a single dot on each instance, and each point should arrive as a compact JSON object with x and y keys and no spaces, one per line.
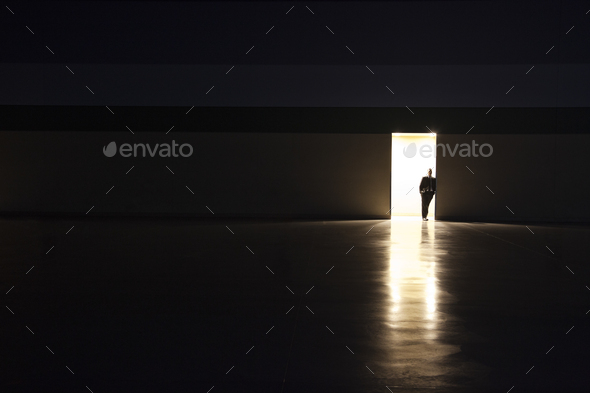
{"x":429,"y":172}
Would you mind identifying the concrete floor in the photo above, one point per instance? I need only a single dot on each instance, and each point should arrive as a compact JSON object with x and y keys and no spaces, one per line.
{"x":301,"y":306}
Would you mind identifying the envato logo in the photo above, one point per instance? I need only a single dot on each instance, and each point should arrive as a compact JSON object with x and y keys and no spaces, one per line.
{"x":464,"y":150}
{"x":164,"y":150}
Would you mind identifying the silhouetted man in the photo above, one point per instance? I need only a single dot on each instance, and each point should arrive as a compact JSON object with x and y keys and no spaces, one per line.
{"x":427,"y":190}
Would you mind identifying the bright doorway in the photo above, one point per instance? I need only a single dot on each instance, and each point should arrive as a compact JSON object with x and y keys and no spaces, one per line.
{"x":411,"y":156}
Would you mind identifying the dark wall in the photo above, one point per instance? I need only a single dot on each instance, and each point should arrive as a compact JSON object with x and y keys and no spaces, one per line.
{"x":233,"y":174}
{"x":538,"y":177}
{"x":287,"y":175}
{"x":296,"y":120}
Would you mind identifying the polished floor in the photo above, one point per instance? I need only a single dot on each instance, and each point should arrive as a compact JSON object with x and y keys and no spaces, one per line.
{"x":294,"y":306}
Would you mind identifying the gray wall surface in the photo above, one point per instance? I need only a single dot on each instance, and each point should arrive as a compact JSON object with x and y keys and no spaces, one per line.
{"x":233,"y":174}
{"x":537,"y":177}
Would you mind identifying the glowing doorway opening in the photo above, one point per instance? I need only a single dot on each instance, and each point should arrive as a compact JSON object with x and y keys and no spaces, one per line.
{"x":411,"y":156}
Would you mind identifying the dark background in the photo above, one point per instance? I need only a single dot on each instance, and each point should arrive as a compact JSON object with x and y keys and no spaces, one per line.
{"x":150,"y":62}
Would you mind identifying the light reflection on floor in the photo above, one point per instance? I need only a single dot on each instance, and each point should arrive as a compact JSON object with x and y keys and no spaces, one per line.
{"x":412,"y":270}
{"x":414,"y":317}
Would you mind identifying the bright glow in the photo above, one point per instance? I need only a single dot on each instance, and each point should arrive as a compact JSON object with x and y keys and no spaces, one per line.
{"x":412,"y":275}
{"x":406,"y":172}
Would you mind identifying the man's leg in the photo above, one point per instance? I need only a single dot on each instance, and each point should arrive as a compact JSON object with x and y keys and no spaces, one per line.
{"x":426,"y":198}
